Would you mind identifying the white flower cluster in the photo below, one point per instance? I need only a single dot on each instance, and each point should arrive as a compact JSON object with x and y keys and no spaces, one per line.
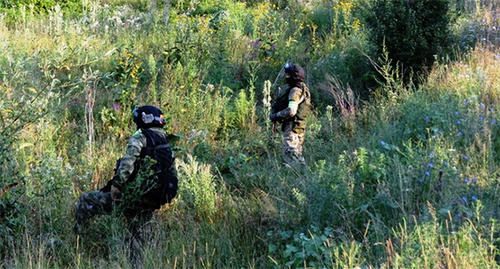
{"x":266,"y":101}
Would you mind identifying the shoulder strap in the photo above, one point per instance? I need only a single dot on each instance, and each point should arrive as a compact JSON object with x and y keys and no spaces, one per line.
{"x":149,"y":138}
{"x":155,"y":139}
{"x":157,"y":147}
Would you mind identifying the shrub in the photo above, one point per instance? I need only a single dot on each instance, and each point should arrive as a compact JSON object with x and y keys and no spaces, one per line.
{"x":197,"y":190}
{"x":41,"y":6}
{"x":413,"y":31}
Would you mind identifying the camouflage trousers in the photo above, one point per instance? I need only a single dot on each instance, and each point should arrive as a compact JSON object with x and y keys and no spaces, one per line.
{"x":95,"y":203}
{"x":292,"y":146}
{"x":91,"y":204}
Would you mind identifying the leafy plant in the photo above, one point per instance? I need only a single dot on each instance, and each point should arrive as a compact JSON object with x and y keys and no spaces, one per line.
{"x":197,"y":189}
{"x":318,"y":248}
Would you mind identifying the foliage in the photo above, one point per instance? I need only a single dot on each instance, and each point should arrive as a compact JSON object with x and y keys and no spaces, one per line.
{"x":39,"y":5}
{"x":183,"y":95}
{"x":241,"y":115}
{"x":315,"y":249}
{"x":413,"y":31}
{"x":198,"y":190}
{"x":450,"y":248}
{"x":474,"y":23}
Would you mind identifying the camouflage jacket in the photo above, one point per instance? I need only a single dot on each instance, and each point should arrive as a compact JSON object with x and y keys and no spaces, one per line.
{"x":135,"y":145}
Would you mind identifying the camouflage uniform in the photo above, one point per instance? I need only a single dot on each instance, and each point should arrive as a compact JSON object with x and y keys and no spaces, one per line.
{"x":100,"y":202}
{"x":91,"y":204}
{"x":293,"y":122}
{"x":128,"y":169}
{"x":140,"y":197}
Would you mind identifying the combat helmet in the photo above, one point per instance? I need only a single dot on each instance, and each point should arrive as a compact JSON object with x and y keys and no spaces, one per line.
{"x":148,"y":116}
{"x":296,"y":72}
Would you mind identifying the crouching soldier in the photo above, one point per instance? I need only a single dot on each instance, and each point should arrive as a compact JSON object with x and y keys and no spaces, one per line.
{"x":145,"y":179}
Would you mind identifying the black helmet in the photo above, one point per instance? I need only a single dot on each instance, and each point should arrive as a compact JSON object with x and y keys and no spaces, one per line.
{"x":296,"y":72}
{"x":148,"y":116}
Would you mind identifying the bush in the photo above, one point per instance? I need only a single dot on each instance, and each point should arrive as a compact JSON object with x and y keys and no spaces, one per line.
{"x":198,"y":190}
{"x":41,"y":6}
{"x":412,"y":31}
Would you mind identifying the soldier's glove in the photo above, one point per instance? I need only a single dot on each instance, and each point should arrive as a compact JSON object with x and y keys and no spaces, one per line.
{"x":273,"y":117}
{"x":116,"y":194}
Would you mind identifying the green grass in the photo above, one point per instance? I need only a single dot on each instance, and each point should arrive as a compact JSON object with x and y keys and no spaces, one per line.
{"x":406,"y":179}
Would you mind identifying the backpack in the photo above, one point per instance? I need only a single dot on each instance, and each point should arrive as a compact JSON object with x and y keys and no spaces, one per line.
{"x":159,"y":150}
{"x":161,"y":186}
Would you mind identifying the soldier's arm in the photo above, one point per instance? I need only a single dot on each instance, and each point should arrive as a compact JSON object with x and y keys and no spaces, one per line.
{"x":126,"y":169}
{"x":293,"y":104}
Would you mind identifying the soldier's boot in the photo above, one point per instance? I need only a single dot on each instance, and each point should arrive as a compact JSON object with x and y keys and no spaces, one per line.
{"x":89,"y":205}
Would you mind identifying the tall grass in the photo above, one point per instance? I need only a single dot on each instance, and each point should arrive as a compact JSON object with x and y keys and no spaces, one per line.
{"x":406,"y":179}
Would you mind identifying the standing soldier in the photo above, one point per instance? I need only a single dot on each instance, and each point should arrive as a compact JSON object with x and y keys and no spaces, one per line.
{"x":145,"y":179}
{"x":291,"y":109}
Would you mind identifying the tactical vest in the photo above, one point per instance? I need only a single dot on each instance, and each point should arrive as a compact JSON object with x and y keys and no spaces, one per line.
{"x":159,"y":150}
{"x":303,"y":109}
{"x":161,"y":186}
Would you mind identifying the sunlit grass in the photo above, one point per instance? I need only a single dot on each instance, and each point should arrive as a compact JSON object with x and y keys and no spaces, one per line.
{"x":407,"y":180}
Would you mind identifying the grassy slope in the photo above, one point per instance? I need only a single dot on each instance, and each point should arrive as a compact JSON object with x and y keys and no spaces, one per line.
{"x":373,"y":193}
